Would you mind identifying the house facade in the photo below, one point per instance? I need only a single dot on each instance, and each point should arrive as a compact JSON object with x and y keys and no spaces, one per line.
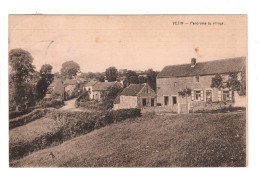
{"x":102,"y":88}
{"x":88,"y":87}
{"x":136,"y":96}
{"x":197,"y":77}
{"x":70,"y":86}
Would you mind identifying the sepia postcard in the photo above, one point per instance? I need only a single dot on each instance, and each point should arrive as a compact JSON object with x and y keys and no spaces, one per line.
{"x":128,"y":90}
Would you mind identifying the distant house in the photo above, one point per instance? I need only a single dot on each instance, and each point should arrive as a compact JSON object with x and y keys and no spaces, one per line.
{"x":89,"y":87}
{"x":71,"y":89}
{"x":101,"y":88}
{"x":198,"y":77}
{"x":55,"y":88}
{"x":80,"y":85}
{"x":136,"y":96}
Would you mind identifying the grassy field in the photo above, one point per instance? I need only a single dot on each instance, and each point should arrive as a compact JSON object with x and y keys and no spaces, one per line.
{"x":153,"y":141}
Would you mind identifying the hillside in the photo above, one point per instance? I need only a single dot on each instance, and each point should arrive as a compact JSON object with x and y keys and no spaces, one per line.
{"x":153,"y":141}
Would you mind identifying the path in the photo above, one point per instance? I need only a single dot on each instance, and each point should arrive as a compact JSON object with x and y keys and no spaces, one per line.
{"x":70,"y":105}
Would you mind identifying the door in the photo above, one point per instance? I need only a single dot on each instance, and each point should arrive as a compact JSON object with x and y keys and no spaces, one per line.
{"x":174,"y":100}
{"x":152,"y":102}
{"x":208,"y":95}
{"x":144,"y":102}
{"x":166,"y":100}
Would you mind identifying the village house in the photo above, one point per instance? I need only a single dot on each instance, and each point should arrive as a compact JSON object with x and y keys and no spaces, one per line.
{"x":101,"y":88}
{"x":135,"y":96}
{"x":88,"y":87}
{"x":71,"y":90}
{"x":196,"y":76}
{"x":55,"y":88}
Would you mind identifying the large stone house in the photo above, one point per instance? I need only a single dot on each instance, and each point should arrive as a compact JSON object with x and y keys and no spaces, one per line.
{"x":136,"y":96}
{"x":197,"y":77}
{"x":101,"y":88}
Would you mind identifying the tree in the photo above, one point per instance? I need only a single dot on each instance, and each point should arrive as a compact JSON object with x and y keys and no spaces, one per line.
{"x":151,"y":78}
{"x":46,"y":79}
{"x":111,"y":74}
{"x":109,"y":96}
{"x":131,"y":77}
{"x":185,"y":93}
{"x":69,"y":69}
{"x":20,"y":78}
{"x":217,"y":82}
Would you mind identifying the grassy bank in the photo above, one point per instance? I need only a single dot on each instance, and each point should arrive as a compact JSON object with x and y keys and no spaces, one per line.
{"x":153,"y":141}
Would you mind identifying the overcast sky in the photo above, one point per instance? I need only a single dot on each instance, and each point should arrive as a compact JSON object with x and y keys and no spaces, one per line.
{"x":131,"y":42}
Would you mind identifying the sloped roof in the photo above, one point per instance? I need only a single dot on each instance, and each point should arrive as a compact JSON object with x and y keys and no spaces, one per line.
{"x":131,"y":90}
{"x":103,"y":86}
{"x":70,"y":82}
{"x":90,"y":83}
{"x":55,"y":81}
{"x":204,"y":68}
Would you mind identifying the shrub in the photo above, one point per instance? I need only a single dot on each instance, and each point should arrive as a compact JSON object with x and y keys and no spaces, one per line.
{"x":56,"y":103}
{"x":68,"y":125}
{"x":36,"y":114}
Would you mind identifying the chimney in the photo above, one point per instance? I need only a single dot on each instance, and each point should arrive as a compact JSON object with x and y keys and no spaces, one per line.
{"x":193,"y":62}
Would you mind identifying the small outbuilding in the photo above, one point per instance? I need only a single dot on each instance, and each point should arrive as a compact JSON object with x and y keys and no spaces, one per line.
{"x":136,"y":96}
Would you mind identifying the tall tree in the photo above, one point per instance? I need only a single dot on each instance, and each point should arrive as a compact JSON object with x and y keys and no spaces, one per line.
{"x":131,"y":77}
{"x":20,"y":77}
{"x":45,"y":80}
{"x":151,"y":78}
{"x":69,"y":69}
{"x":111,"y":74}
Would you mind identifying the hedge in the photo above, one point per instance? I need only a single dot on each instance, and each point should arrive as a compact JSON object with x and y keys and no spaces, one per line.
{"x":22,"y":120}
{"x":67,"y":126}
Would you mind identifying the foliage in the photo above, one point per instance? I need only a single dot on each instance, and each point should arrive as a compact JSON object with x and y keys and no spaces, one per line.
{"x":19,"y":121}
{"x":54,"y":102}
{"x":69,"y":69}
{"x":111,"y":74}
{"x":151,"y":78}
{"x":67,"y":125}
{"x":131,"y":77}
{"x":45,"y":80}
{"x":233,"y":83}
{"x":185,"y":92}
{"x":22,"y":88}
{"x":217,"y":82}
{"x":109,"y":96}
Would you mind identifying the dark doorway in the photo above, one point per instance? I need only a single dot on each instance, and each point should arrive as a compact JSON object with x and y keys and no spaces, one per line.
{"x":144,"y":102}
{"x":152,"y":102}
{"x":174,"y":100}
{"x":166,"y":100}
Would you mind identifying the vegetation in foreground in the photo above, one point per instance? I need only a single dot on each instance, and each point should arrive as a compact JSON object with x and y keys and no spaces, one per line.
{"x":199,"y":140}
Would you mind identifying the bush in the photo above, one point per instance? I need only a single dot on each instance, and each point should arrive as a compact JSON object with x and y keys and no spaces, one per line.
{"x":36,"y":114}
{"x":56,"y":103}
{"x":68,"y":125}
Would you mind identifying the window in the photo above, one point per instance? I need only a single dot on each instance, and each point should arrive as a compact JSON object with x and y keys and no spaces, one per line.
{"x":144,"y":102}
{"x":225,"y":96}
{"x":175,"y":84}
{"x":197,"y":95}
{"x":197,"y":78}
{"x":174,"y":100}
{"x":166,"y":100}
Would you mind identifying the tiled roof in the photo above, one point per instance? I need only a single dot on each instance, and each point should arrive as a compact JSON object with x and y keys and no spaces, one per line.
{"x":70,"y":82}
{"x":103,"y":86}
{"x":90,"y":83}
{"x":55,"y":81}
{"x":131,"y":90}
{"x":204,"y":68}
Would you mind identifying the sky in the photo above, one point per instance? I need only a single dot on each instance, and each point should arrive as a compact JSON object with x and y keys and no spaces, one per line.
{"x":136,"y":42}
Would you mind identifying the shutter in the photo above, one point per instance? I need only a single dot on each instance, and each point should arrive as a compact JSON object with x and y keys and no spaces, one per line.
{"x":219,"y":95}
{"x":230,"y":95}
{"x":192,"y":95}
{"x":201,"y":95}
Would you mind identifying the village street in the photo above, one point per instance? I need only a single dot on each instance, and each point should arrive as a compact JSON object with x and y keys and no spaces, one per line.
{"x":70,"y":105}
